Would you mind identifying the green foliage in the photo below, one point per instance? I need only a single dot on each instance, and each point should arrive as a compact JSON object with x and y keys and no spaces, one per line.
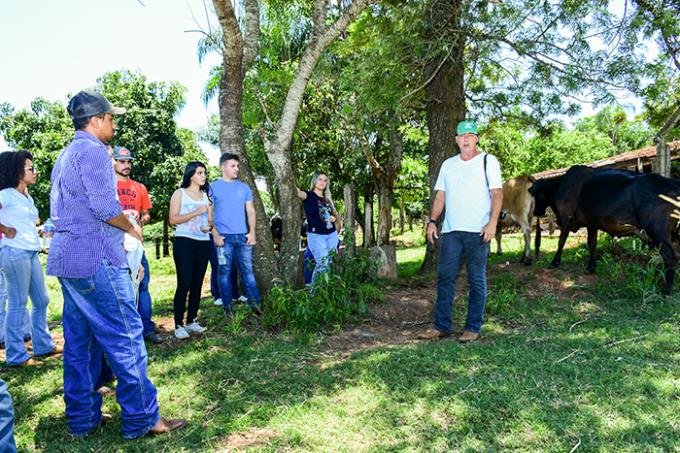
{"x":44,"y":130}
{"x":149,"y":130}
{"x":340,"y":296}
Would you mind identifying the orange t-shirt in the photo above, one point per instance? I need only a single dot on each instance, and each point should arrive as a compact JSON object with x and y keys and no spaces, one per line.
{"x":134,"y":198}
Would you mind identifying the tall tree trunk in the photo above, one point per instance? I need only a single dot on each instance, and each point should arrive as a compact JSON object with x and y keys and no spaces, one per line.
{"x":350,"y":207}
{"x":278,"y":149}
{"x":368,"y":217}
{"x":445,"y":100}
{"x":402,"y":215}
{"x":239,"y":50}
{"x":385,"y":201}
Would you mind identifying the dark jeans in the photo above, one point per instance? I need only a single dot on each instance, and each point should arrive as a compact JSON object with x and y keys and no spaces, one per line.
{"x":144,"y":301}
{"x":191,"y":261}
{"x":214,"y":275}
{"x":455,"y":247}
{"x":237,"y":252}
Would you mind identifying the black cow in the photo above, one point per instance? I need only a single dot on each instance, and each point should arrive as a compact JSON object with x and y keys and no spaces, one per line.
{"x":619,"y":202}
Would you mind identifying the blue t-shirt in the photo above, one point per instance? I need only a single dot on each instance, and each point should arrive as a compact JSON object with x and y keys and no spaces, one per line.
{"x":317,"y":211}
{"x":229,"y":206}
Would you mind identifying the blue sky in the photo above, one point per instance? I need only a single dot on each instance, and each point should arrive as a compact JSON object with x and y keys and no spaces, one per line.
{"x":52,"y":48}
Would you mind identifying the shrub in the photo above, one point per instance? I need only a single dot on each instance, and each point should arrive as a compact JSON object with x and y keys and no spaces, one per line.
{"x":339,"y":296}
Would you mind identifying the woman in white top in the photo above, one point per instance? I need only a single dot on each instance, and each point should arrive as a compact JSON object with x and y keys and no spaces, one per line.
{"x":19,"y":260}
{"x":191,"y":212}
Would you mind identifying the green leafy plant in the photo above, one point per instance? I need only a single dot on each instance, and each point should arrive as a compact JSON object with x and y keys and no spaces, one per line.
{"x":339,"y":296}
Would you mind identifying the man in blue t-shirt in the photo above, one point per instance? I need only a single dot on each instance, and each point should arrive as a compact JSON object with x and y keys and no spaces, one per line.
{"x":234,"y":236}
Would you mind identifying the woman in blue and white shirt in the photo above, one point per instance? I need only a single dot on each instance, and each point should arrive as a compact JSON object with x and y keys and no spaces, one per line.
{"x":19,"y":260}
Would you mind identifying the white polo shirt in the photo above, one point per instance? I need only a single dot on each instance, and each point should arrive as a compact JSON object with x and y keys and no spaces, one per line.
{"x":468,"y":200}
{"x":19,"y":212}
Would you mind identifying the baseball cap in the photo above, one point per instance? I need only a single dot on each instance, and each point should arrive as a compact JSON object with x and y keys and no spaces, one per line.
{"x":466,"y":127}
{"x":90,"y":103}
{"x":122,"y":153}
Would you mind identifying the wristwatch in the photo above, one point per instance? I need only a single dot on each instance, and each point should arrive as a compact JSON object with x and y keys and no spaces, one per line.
{"x":431,"y":221}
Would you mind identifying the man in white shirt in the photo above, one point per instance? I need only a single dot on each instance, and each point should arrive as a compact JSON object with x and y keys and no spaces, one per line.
{"x":470,"y":186}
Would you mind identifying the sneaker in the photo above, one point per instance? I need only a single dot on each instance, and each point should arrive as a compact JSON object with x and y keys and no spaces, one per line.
{"x":181,"y":333}
{"x":218,"y":302}
{"x":242,"y":299}
{"x":195,"y":327}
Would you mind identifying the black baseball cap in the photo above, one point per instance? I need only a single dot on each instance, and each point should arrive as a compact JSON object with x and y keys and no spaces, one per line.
{"x":90,"y":103}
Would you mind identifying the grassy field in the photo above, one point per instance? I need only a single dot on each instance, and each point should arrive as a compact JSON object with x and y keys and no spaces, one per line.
{"x":568,"y":363}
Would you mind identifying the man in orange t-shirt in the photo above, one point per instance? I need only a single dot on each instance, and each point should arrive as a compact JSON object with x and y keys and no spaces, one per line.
{"x":135,"y":201}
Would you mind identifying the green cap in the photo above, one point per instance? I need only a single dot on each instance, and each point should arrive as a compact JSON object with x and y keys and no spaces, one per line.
{"x":466,"y":127}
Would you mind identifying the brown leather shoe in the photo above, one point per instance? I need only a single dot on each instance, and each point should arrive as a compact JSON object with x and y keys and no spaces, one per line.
{"x":56,"y":351}
{"x":165,"y":426}
{"x":29,"y":362}
{"x":434,"y":334}
{"x":468,"y":337}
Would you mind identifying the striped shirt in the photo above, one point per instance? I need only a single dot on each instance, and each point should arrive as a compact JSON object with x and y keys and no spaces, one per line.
{"x":82,"y":199}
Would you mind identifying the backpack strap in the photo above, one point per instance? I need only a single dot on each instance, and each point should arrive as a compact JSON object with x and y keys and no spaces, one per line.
{"x":486,"y":176}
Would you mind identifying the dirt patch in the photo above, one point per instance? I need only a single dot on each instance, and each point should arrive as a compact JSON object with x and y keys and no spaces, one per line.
{"x":250,"y":439}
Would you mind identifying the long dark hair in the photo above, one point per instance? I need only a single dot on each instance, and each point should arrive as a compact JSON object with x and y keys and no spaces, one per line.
{"x":12,"y":165}
{"x":189,"y":171}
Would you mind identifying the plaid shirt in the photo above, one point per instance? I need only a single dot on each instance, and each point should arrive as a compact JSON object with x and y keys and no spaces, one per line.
{"x":82,"y":199}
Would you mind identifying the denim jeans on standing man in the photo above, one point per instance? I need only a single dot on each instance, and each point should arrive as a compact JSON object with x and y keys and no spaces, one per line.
{"x":7,"y":444}
{"x":24,"y":275}
{"x":455,"y":247}
{"x":100,"y":316}
{"x":237,"y":252}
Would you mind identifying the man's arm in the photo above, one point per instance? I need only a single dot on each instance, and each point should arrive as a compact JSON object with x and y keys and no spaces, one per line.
{"x":144,"y":216}
{"x":250,"y":212}
{"x":435,"y":212}
{"x":489,"y":230}
{"x":122,"y":222}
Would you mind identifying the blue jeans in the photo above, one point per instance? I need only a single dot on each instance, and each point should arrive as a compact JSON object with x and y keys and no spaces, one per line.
{"x":321,"y":246}
{"x":236,"y":252}
{"x":308,"y":265}
{"x":7,"y":444}
{"x":144,"y":303}
{"x":25,"y":277}
{"x":214,"y":272}
{"x":456,"y":246}
{"x":26,"y":323}
{"x":100,"y":316}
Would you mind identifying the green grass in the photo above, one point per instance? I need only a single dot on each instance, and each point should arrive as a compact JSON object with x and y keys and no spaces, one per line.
{"x":569,"y":361}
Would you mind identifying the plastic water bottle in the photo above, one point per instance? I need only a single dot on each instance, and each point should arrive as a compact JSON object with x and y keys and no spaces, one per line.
{"x":221,"y":259}
{"x":48,"y":233}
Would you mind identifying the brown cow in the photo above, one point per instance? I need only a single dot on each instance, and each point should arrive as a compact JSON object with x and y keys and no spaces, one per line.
{"x":518,"y":207}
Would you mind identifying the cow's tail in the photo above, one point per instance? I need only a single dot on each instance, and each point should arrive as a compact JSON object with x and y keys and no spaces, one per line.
{"x":537,"y":241}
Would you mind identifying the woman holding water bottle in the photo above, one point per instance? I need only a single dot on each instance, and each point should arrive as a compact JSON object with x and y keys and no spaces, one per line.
{"x":323,"y":222}
{"x":191,"y":212}
{"x":19,"y":260}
